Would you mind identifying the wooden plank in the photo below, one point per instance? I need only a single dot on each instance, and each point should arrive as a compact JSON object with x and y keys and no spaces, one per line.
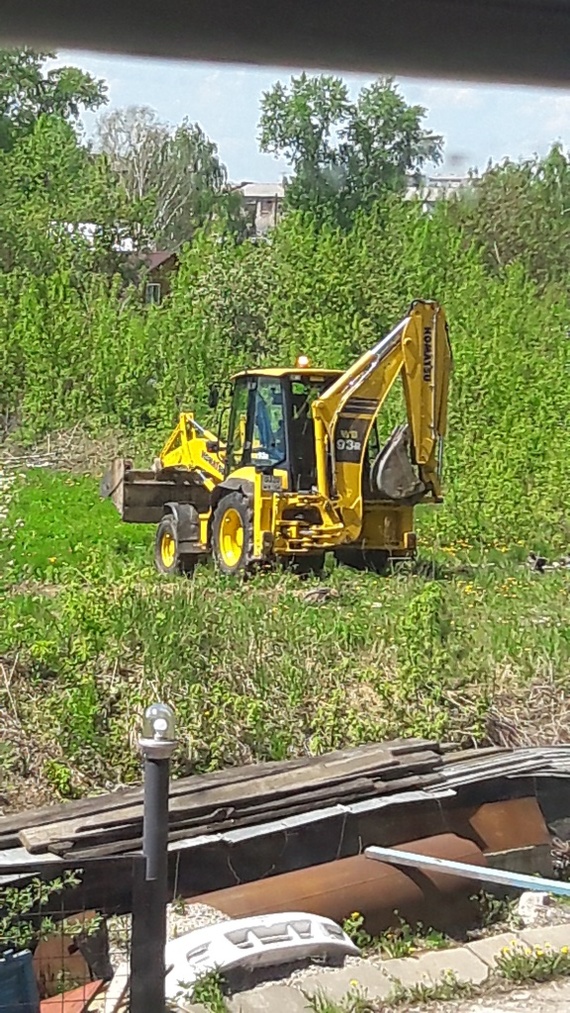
{"x":76,"y":1001}
{"x":265,"y":809}
{"x":37,"y":839}
{"x":200,"y":806}
{"x":115,"y":994}
{"x":10,"y":825}
{"x":188,"y":832}
{"x":106,"y":802}
{"x":262,"y":811}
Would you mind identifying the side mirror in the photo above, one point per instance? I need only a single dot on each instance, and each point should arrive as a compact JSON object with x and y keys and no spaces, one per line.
{"x":213,"y":397}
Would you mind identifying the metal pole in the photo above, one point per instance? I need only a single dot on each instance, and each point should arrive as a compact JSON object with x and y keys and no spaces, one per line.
{"x":483,"y":874}
{"x":155,"y":821}
{"x":151,"y":890}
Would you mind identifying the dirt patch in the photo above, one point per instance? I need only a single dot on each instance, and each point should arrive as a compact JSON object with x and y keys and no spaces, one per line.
{"x":22,"y":783}
{"x":528,"y":715}
{"x":74,"y":451}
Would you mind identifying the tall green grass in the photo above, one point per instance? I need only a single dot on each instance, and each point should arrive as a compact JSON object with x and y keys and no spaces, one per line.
{"x":253,"y":670}
{"x":472,"y":647}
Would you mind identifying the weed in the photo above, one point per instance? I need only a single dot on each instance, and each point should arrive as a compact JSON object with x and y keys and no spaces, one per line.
{"x":448,"y":987}
{"x":22,"y":920}
{"x":354,"y":928}
{"x":394,"y":942}
{"x":519,"y":963}
{"x":491,"y":910}
{"x":60,"y":777}
{"x":208,"y":991}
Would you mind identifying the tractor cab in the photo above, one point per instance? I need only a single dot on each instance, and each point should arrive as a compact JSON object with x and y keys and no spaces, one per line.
{"x":271,"y":424}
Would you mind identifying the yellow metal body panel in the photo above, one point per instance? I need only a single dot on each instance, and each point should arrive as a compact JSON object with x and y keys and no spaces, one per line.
{"x":187,"y":447}
{"x":385,"y":526}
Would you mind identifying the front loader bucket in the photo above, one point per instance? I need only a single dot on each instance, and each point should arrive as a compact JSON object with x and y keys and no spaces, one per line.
{"x":140,"y":496}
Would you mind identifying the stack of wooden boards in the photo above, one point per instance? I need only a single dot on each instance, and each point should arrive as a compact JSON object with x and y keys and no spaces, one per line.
{"x":235,"y":798}
{"x":267,"y":793}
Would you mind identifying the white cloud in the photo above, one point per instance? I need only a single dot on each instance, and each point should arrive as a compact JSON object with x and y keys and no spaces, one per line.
{"x":462,"y":97}
{"x":553,"y":113}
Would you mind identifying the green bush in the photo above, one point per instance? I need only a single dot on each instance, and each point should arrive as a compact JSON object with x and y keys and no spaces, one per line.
{"x":95,"y":357}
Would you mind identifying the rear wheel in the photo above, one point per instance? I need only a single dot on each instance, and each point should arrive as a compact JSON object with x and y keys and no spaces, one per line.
{"x":232,"y":534}
{"x":167,"y":557}
{"x":375,"y":560}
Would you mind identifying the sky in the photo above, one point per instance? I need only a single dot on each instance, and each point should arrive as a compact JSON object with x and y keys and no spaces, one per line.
{"x":478,"y":122}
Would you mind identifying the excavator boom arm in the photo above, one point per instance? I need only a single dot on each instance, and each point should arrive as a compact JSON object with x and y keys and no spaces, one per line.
{"x":417,"y":349}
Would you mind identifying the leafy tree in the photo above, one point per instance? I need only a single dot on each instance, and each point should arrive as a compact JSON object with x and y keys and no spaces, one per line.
{"x":521,"y":212}
{"x":345,"y":155}
{"x":175,"y":175}
{"x":28,"y":91}
{"x":54,"y":193}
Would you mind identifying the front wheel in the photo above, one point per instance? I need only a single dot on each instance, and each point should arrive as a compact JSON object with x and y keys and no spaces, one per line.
{"x":167,"y":557}
{"x":232,"y":534}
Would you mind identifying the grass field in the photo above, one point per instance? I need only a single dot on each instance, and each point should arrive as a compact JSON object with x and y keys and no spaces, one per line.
{"x":465,"y":646}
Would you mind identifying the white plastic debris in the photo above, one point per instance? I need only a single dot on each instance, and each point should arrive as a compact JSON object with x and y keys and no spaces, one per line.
{"x":247,"y":943}
{"x":533,"y":907}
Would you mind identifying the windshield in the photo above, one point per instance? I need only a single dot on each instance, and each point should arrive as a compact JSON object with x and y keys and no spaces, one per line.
{"x":268,"y":446}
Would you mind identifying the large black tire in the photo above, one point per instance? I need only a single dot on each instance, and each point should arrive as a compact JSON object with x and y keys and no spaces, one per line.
{"x":167,"y":557}
{"x":375,"y":560}
{"x":305,"y":565}
{"x":232,"y":534}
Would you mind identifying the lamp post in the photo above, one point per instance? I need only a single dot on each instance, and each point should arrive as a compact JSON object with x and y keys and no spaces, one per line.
{"x":157,"y":743}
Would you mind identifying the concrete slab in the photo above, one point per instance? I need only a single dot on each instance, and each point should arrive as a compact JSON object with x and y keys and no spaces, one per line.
{"x":488,"y":948}
{"x":431,"y":967}
{"x":270,"y":999}
{"x":555,"y":936}
{"x":366,"y":978}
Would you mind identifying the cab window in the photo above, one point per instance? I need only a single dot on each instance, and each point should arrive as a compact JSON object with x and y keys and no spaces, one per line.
{"x":268,"y":445}
{"x":238,"y":426}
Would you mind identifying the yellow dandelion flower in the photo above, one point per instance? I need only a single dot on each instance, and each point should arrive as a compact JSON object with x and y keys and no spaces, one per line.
{"x":353,"y":983}
{"x":564,"y":950}
{"x":52,"y":559}
{"x":355,"y":914}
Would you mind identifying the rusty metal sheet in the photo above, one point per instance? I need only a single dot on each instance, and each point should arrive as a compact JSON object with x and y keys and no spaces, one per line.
{"x":494,"y":826}
{"x":375,"y":889}
{"x":506,"y":826}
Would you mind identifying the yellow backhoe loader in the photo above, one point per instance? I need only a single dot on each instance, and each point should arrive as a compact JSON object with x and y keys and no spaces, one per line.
{"x":299,"y":470}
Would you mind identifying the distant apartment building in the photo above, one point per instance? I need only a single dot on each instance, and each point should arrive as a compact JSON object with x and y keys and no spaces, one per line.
{"x":263,"y":203}
{"x":433,"y":188}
